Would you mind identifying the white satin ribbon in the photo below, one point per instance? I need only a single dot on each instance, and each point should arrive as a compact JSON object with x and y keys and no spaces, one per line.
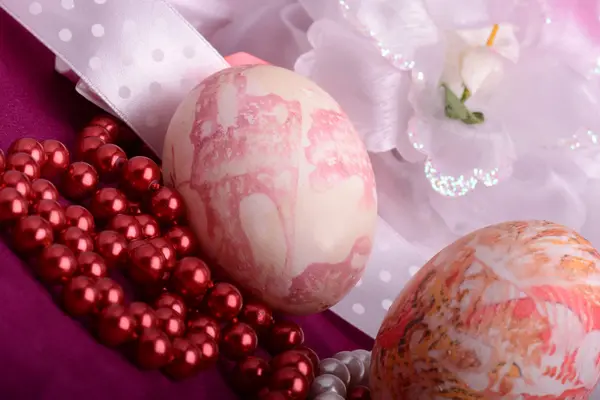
{"x":136,"y":58}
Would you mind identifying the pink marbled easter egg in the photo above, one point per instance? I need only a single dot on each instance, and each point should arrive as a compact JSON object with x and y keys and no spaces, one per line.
{"x":278,"y":185}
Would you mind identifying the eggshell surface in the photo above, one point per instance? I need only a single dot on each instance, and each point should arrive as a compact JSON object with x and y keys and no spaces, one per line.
{"x":278,"y":185}
{"x":511,"y":311}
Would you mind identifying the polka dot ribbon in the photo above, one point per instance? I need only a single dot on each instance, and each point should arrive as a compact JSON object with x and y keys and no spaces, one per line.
{"x":135,"y":58}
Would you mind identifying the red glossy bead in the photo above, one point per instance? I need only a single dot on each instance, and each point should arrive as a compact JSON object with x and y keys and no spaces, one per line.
{"x":127,"y":226}
{"x":43,"y":189}
{"x":295,"y":359}
{"x":167,"y":250}
{"x":204,"y":324}
{"x":224,"y":301}
{"x":257,"y":315}
{"x":109,"y":123}
{"x":116,"y":326}
{"x":183,"y":240}
{"x":154,"y":349}
{"x":191,"y":278}
{"x":359,"y":393}
{"x":92,"y":264}
{"x":144,"y":315}
{"x":112,"y":246}
{"x":154,"y":187}
{"x":31,"y":147}
{"x":209,"y":350}
{"x":24,"y":163}
{"x":108,"y":202}
{"x":150,"y":228}
{"x":238,"y":340}
{"x":170,"y":322}
{"x":19,"y":181}
{"x":134,"y":208}
{"x":2,"y":161}
{"x":146,"y":265}
{"x":77,"y":240}
{"x":290,"y":381}
{"x":32,"y":233}
{"x":138,"y":173}
{"x":56,"y":264}
{"x":80,"y":217}
{"x":172,"y":301}
{"x":96,"y":132}
{"x":57,"y":158}
{"x":134,"y":245}
{"x":86,"y":148}
{"x":79,"y":181}
{"x":250,"y":375}
{"x":80,"y":296}
{"x":108,"y":160}
{"x":186,"y":360}
{"x":167,"y":205}
{"x":52,"y":212}
{"x":310,"y":353}
{"x":110,"y":293}
{"x":13,"y":205}
{"x":284,"y":335}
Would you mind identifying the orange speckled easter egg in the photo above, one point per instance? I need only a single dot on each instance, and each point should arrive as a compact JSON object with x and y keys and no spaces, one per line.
{"x":511,"y":311}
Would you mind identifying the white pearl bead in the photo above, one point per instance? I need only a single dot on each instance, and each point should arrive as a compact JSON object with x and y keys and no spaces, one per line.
{"x":354,"y":365}
{"x":335,"y":367}
{"x":327,"y":384}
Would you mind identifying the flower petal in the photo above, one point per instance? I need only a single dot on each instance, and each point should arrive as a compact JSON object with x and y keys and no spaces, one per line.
{"x":534,"y":191}
{"x":459,"y":155}
{"x":369,"y":89}
{"x":568,"y":37}
{"x":483,"y":152}
{"x":398,"y":28}
{"x":471,"y":14}
{"x":572,"y":29}
{"x":479,"y":67}
{"x":457,"y":14}
{"x":542,"y":101}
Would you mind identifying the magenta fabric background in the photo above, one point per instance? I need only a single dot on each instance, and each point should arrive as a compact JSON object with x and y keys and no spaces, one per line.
{"x":44,"y":354}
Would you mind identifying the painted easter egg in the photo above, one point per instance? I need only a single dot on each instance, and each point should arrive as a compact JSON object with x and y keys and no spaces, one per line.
{"x":278,"y":185}
{"x":511,"y":311}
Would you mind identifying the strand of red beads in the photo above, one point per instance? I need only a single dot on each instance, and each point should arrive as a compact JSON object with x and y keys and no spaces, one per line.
{"x":123,"y":222}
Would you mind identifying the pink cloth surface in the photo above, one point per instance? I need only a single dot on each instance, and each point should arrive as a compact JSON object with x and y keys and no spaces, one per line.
{"x":46,"y":354}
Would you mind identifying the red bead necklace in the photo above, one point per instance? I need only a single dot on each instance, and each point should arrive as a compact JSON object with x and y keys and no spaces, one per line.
{"x":133,"y":226}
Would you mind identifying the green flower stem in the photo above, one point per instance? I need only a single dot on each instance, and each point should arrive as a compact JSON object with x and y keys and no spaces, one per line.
{"x":455,"y":107}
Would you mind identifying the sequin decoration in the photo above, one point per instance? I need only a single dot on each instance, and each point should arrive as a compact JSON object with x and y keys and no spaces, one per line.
{"x":584,"y":139}
{"x":448,"y":185}
{"x":509,"y":311}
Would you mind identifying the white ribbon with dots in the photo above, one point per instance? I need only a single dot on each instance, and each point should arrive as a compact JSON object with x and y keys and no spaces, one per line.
{"x":139,"y":57}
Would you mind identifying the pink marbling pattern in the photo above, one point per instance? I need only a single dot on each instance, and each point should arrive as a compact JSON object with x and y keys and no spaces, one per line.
{"x":293,"y":151}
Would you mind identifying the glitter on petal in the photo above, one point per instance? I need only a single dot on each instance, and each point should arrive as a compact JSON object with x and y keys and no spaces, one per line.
{"x":397,"y":60}
{"x":447,"y":185}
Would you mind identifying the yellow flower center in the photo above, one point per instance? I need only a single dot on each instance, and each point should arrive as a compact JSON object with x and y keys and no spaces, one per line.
{"x":492,"y":37}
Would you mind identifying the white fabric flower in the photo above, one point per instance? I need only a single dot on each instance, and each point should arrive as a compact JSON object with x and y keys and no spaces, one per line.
{"x":537,"y":154}
{"x":506,"y":53}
